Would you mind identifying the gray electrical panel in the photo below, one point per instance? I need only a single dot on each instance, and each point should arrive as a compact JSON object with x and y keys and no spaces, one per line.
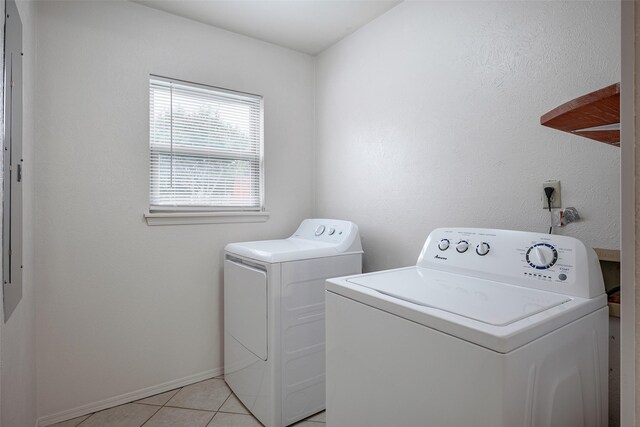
{"x":12,"y":162}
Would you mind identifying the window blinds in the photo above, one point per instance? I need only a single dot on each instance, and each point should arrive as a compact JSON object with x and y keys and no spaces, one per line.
{"x":206,"y":148}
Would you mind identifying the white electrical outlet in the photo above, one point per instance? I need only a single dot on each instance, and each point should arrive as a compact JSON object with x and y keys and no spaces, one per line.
{"x":556,"y":201}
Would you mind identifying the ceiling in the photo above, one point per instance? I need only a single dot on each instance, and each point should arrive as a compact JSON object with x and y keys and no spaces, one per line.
{"x":308,"y":26}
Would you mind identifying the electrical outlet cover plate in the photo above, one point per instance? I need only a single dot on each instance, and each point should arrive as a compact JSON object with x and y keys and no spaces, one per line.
{"x":556,"y":201}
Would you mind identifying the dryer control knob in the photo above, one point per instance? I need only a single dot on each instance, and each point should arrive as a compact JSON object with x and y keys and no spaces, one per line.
{"x":482,"y":249}
{"x":319,"y":230}
{"x":443,"y":245}
{"x":462,"y":246}
{"x":331,"y":231}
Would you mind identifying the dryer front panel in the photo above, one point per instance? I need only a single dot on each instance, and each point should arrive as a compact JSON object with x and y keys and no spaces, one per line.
{"x":245,"y":302}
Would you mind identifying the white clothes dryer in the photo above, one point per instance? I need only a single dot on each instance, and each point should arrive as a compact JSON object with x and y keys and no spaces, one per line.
{"x":491,"y":328}
{"x":274,"y":317}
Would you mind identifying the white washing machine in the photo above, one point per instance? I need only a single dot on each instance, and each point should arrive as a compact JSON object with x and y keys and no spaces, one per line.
{"x":274,"y":317}
{"x":491,"y":328}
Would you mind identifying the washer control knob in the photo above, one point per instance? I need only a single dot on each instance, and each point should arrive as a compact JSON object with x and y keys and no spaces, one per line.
{"x":331,"y":231}
{"x":538,"y":257}
{"x":462,"y":246}
{"x":319,"y":230}
{"x":482,"y":249}
{"x":542,"y":256}
{"x":444,"y":244}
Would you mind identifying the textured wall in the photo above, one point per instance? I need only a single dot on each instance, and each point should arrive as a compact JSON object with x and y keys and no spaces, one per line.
{"x":121,"y":305}
{"x":635,"y":249}
{"x":429,"y":117}
{"x":18,"y":335}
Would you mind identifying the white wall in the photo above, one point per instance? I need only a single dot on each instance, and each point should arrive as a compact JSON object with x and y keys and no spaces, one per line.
{"x":121,"y":305}
{"x":18,"y":335}
{"x":429,"y":117}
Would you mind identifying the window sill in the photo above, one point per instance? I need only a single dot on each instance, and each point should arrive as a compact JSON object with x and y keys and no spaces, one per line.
{"x":185,"y":218}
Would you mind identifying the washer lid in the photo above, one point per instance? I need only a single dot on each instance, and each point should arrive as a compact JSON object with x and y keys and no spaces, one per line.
{"x":489,"y":302}
{"x":495,"y":315}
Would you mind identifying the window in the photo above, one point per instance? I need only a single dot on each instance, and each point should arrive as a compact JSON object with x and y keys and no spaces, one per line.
{"x":206,"y":148}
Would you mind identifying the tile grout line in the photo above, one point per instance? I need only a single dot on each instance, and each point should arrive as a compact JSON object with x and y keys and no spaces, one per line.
{"x":136,"y":403}
{"x":225,"y":401}
{"x":166,"y":405}
{"x":160,"y":407}
{"x":213,"y":413}
{"x":90,"y":415}
{"x":211,"y":419}
{"x":152,"y":415}
{"x":190,"y":409}
{"x":178,"y":390}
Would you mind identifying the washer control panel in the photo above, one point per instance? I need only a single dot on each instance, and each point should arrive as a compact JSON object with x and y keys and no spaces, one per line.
{"x":549,"y":262}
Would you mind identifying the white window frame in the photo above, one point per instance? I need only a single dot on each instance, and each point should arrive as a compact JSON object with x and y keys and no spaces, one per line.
{"x":174,"y":215}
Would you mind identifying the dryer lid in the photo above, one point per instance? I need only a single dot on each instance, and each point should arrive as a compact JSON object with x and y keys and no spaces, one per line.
{"x":314,"y":238}
{"x":273,"y":251}
{"x":485,"y":301}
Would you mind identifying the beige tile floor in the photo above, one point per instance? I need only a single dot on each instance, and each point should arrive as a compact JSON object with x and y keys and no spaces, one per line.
{"x":209,"y":403}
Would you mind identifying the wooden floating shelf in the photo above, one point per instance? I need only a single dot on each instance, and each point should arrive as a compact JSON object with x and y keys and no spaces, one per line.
{"x":581,"y":115}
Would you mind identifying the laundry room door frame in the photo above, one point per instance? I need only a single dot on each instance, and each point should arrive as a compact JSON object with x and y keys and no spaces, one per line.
{"x":628,"y":225}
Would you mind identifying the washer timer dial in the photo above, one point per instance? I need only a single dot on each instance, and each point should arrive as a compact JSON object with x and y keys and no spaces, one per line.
{"x":542,"y":256}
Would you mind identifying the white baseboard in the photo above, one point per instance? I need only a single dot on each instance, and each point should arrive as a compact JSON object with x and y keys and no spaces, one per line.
{"x":126,"y":398}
